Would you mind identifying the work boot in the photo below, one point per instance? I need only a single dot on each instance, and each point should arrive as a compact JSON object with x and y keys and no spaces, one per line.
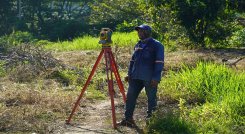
{"x":127,"y":123}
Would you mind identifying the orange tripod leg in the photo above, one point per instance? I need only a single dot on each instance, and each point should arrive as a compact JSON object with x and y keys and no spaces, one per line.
{"x":110,"y":84}
{"x":110,"y":68}
{"x":116,"y":73}
{"x":85,"y":86}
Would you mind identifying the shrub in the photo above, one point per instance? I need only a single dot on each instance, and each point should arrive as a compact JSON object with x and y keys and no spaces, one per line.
{"x":238,"y":38}
{"x":14,"y":39}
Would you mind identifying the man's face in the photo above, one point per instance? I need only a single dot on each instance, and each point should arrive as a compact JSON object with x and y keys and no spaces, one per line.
{"x":141,"y":34}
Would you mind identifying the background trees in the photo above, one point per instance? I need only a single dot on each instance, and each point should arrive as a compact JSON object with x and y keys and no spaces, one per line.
{"x":51,"y":19}
{"x":203,"y":23}
{"x":6,"y":13}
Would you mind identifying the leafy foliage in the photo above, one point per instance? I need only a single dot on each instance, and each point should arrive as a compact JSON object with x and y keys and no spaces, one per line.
{"x":14,"y":39}
{"x":198,"y":23}
{"x":205,"y":22}
{"x":110,"y":13}
{"x":238,"y":38}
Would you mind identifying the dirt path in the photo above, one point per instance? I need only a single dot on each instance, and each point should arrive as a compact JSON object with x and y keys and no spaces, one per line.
{"x":95,"y":118}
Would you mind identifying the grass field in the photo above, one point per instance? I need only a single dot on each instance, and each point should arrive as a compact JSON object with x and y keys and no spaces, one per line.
{"x":91,"y":43}
{"x":206,"y":96}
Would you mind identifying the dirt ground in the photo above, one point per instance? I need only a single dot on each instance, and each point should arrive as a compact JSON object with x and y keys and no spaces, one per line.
{"x":97,"y":119}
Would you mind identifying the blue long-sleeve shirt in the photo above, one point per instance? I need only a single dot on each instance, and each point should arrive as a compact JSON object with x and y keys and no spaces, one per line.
{"x":147,"y":61}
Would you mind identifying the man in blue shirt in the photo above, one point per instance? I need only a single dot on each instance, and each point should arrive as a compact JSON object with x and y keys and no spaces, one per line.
{"x":144,"y":71}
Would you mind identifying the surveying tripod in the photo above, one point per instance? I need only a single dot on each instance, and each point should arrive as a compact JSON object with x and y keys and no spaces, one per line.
{"x":111,"y":67}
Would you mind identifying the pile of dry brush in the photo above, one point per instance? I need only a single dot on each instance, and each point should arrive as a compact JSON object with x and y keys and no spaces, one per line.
{"x":26,"y":62}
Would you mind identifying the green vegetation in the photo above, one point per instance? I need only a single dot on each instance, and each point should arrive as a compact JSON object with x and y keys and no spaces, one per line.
{"x":2,"y":69}
{"x":94,"y":93}
{"x":169,"y":124}
{"x":238,"y":38}
{"x":15,"y":39}
{"x":209,"y":82}
{"x":215,"y":92}
{"x":37,"y":90}
{"x":199,"y":23}
{"x":90,"y":43}
{"x":67,"y":77}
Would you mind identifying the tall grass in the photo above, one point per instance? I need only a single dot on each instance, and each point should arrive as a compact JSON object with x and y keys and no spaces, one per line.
{"x":169,"y":124}
{"x":208,"y":81}
{"x":218,"y":94}
{"x":91,"y":43}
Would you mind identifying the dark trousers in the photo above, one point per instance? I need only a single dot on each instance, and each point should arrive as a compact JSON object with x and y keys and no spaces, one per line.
{"x":134,"y":89}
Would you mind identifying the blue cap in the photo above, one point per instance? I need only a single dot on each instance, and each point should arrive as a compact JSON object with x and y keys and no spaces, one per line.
{"x":143,"y":27}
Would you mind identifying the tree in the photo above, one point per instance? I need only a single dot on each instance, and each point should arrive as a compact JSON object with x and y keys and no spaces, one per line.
{"x":6,"y":16}
{"x":205,"y":21}
{"x":51,"y":19}
{"x":198,"y":15}
{"x":108,"y":13}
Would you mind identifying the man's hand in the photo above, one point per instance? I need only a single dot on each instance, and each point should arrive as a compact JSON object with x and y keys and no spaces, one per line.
{"x":154,"y":83}
{"x":127,"y":78}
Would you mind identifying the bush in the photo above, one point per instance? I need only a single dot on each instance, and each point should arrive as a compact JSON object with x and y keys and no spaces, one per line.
{"x":14,"y":39}
{"x":238,"y":38}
